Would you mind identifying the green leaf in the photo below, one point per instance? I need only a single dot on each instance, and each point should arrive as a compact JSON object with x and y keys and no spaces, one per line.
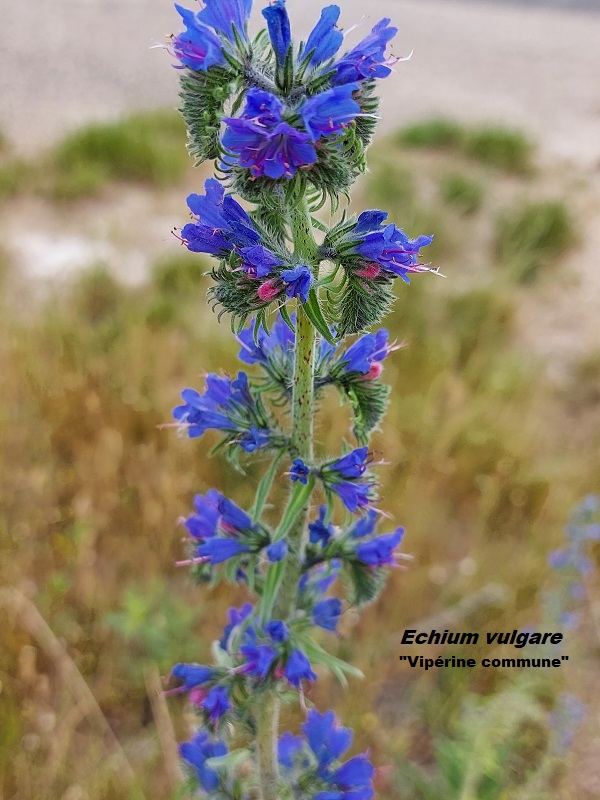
{"x":264,"y":487}
{"x":230,"y":761}
{"x":271,"y":589}
{"x":318,"y":655}
{"x":319,"y":225}
{"x":285,"y":316}
{"x":315,"y":315}
{"x":299,"y":498}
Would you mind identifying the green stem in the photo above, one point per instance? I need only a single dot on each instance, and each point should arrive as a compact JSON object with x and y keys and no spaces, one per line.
{"x":267,"y":714}
{"x":267,"y":733}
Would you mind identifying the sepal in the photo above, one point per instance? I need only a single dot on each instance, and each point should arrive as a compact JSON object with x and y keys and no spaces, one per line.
{"x":360,"y":306}
{"x":363,"y":583}
{"x":369,"y":400}
{"x":203,"y":97}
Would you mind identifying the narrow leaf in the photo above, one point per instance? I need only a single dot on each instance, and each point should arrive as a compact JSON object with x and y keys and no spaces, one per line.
{"x":264,"y":487}
{"x":271,"y":589}
{"x":315,"y":315}
{"x":298,"y":500}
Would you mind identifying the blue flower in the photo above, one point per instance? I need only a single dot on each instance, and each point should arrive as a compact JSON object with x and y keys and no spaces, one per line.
{"x":259,"y":659}
{"x":298,"y":282}
{"x":277,"y":344}
{"x":218,"y":550}
{"x":354,"y":773}
{"x":277,"y":551}
{"x":287,"y":748}
{"x":198,"y":47}
{"x":263,"y":142}
{"x":353,"y":495}
{"x":382,"y":247}
{"x":329,"y":112}
{"x":298,"y":668}
{"x":216,"y":703}
{"x":327,"y":741}
{"x":352,"y":465}
{"x":326,"y":614}
{"x":319,"y":531}
{"x":365,"y":352}
{"x":277,"y":630}
{"x":278,"y":24}
{"x":379,"y":552}
{"x":258,"y":262}
{"x":236,"y":617}
{"x":392,"y":250}
{"x":325,"y":39}
{"x":203,"y":524}
{"x":365,"y":525}
{"x":198,"y":414}
{"x":227,"y":406}
{"x":299,"y":471}
{"x":346,"y":477}
{"x":253,"y":439}
{"x":192,"y":675}
{"x":221,"y":223}
{"x":223,"y":15}
{"x":197,"y":752}
{"x":367,"y":60}
{"x":233,"y":519}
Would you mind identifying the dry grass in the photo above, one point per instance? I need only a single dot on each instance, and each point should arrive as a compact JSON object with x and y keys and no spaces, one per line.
{"x":481,"y":472}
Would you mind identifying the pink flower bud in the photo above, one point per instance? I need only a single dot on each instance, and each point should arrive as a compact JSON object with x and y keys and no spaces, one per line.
{"x":370,"y":271}
{"x":197,"y":695}
{"x":269,"y":289}
{"x":374,"y":372}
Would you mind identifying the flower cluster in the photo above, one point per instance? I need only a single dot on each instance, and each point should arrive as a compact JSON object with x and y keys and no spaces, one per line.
{"x":288,"y":125}
{"x":318,"y":753}
{"x":231,"y":407}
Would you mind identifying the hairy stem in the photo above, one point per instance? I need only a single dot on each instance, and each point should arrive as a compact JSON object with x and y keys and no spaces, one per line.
{"x":267,"y":715}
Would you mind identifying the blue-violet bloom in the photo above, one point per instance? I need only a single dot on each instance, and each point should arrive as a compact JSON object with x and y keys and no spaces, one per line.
{"x":197,"y":752}
{"x":218,"y":550}
{"x":277,"y":551}
{"x":379,"y":552}
{"x":367,"y":60}
{"x":192,"y":675}
{"x":263,"y":142}
{"x":216,"y":703}
{"x":278,"y":24}
{"x":326,"y":614}
{"x":329,"y":112}
{"x":319,"y":531}
{"x":298,"y":282}
{"x":299,"y":471}
{"x":198,"y":47}
{"x":223,"y":15}
{"x":325,"y":39}
{"x":298,"y":668}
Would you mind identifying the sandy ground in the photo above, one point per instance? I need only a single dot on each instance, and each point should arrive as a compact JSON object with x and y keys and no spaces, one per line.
{"x":66,"y":62}
{"x":71,"y":61}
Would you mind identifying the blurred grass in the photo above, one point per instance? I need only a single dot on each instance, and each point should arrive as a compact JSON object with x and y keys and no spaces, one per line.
{"x":495,"y":146}
{"x":529,"y":237}
{"x":462,"y":192}
{"x":480,"y":471}
{"x":147,"y":148}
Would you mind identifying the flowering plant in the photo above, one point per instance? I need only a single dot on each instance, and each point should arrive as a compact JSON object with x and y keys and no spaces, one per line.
{"x":288,"y":126}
